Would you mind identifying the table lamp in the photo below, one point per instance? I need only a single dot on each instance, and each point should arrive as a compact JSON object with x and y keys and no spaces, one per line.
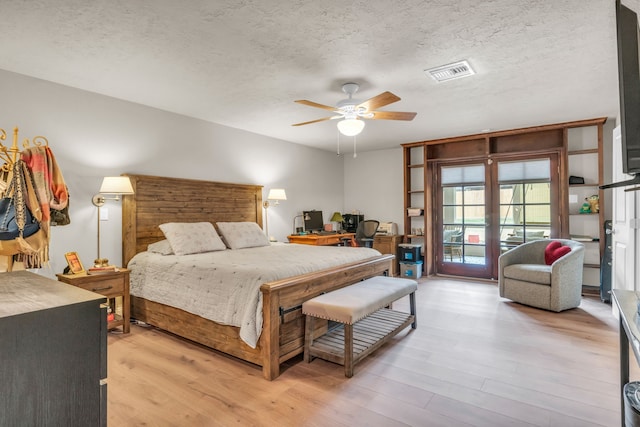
{"x":337,"y":217}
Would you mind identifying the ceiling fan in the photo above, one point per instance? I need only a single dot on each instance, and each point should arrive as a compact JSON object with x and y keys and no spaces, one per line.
{"x":352,"y":111}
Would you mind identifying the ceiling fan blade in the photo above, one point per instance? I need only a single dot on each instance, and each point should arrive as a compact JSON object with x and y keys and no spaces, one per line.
{"x":315,"y":121}
{"x":392,"y":115}
{"x":385,"y":98}
{"x":315,"y":104}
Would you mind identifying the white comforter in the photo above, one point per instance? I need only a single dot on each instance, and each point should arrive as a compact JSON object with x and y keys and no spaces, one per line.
{"x":224,"y":286}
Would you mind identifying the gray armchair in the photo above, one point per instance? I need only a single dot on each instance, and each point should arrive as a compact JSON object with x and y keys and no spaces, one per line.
{"x":525,"y":278}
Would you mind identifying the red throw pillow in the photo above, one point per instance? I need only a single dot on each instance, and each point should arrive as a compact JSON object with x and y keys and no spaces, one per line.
{"x":554,"y":251}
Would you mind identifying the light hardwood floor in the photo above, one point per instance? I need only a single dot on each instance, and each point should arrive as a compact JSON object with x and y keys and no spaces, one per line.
{"x":474,"y":360}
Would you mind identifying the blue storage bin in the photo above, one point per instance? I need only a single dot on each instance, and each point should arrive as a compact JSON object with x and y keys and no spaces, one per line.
{"x":409,"y":252}
{"x":411,"y":270}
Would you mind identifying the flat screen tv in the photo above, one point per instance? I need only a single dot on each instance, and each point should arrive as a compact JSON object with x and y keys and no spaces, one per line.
{"x":629,"y":89}
{"x":315,"y":221}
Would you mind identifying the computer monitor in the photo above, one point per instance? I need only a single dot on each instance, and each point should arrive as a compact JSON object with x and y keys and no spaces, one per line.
{"x":315,"y":221}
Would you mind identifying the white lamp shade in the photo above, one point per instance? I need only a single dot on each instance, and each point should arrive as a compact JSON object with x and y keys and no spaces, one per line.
{"x":116,"y":185}
{"x":277,"y":194}
{"x":350,"y":127}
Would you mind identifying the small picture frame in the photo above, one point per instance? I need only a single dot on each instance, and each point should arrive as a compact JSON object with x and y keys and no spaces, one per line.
{"x":73,"y":260}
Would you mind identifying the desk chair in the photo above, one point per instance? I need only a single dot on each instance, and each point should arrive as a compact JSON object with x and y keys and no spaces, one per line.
{"x":365,"y":232}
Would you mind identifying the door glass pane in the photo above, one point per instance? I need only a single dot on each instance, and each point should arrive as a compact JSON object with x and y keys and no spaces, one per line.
{"x":510,"y":193}
{"x":538,"y":192}
{"x":475,"y":254}
{"x":538,"y":214}
{"x":474,"y":195}
{"x":474,"y":214}
{"x":452,"y":214}
{"x":450,"y":195}
{"x":452,"y":243}
{"x":463,"y":215}
{"x":525,"y":206}
{"x":474,"y":235}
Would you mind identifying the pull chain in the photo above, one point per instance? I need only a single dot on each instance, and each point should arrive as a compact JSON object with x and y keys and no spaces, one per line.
{"x":354,"y":147}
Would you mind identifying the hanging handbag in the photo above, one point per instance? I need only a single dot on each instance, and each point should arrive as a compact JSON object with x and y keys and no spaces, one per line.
{"x":15,"y":218}
{"x":9,"y":228}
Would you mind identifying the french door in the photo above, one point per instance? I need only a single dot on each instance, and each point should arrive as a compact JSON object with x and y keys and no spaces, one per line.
{"x":484,"y":208}
{"x":463,"y":220}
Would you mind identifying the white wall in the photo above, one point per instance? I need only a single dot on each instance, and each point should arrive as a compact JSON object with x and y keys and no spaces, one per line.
{"x":93,"y":136}
{"x":373,"y":184}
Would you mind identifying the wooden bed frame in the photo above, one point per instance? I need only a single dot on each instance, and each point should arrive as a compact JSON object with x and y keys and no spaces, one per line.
{"x":160,"y":199}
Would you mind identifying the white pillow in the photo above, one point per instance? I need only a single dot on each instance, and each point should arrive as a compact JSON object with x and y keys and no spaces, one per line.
{"x":163,"y":247}
{"x":238,"y":235}
{"x":192,"y":237}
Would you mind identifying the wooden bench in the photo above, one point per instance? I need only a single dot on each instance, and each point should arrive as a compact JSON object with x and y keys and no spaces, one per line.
{"x":365,"y":317}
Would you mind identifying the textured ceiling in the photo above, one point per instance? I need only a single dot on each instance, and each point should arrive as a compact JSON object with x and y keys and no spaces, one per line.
{"x":243,"y":63}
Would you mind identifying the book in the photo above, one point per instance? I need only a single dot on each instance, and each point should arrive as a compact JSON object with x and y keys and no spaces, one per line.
{"x":102,"y":270}
{"x":581,"y":238}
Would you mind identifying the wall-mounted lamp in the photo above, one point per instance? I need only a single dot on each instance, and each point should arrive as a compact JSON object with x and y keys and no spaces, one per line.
{"x":337,"y":217}
{"x":299,"y":230}
{"x":113,"y":187}
{"x":275,"y":195}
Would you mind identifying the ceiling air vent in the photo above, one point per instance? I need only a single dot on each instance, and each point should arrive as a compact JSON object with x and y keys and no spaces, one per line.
{"x":451,"y":71}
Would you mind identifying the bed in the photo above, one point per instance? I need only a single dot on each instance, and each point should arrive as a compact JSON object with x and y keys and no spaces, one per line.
{"x":159,"y":200}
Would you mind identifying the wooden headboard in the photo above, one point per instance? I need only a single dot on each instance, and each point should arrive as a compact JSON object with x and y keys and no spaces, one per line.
{"x":157,"y":200}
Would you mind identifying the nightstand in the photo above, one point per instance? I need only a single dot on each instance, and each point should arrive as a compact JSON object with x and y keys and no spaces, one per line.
{"x":112,"y":285}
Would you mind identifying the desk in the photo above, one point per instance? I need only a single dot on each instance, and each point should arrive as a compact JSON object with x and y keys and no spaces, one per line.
{"x":319,"y":239}
{"x":627,"y":302}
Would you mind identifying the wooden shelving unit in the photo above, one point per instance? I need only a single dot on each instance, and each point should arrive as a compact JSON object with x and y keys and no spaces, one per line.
{"x":584,"y":155}
{"x":570,"y":144}
{"x":415,"y":227}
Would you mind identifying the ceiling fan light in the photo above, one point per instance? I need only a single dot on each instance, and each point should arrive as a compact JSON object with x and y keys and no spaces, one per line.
{"x":350,"y":127}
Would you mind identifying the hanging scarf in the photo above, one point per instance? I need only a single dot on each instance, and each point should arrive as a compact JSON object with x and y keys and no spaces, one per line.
{"x":46,"y":190}
{"x":48,"y":181}
{"x":32,"y":251}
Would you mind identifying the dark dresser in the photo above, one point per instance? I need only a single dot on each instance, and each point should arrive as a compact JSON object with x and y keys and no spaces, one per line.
{"x":53,"y":353}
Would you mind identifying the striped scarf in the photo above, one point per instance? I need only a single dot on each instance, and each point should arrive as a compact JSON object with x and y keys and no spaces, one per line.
{"x":46,"y":189}
{"x":47,"y":180}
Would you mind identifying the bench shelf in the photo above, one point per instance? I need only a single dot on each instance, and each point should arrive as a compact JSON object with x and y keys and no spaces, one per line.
{"x":364,"y":316}
{"x":369,"y":334}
